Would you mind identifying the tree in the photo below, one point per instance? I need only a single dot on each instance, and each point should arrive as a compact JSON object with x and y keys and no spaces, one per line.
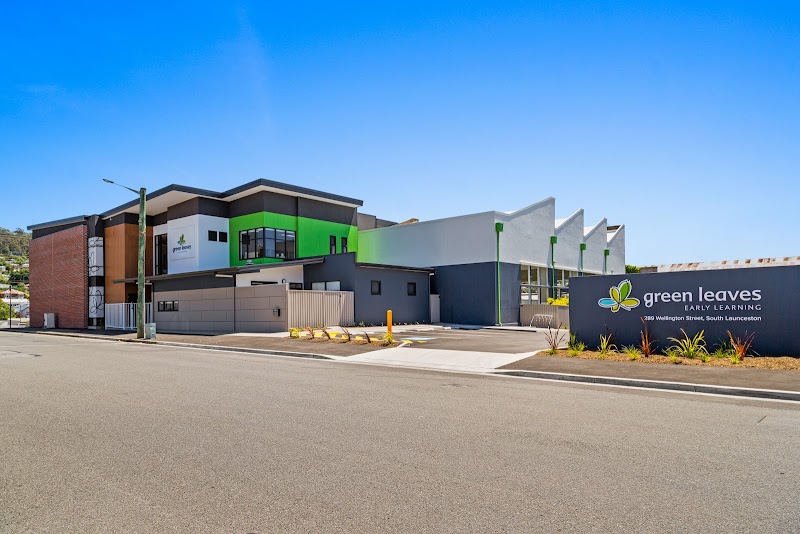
{"x":5,"y":309}
{"x":631,"y":269}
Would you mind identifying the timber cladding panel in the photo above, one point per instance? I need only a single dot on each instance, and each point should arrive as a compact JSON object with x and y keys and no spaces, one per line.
{"x":121,"y":257}
{"x":59,"y":278}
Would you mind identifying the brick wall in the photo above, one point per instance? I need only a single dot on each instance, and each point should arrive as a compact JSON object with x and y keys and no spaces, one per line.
{"x":58,"y":277}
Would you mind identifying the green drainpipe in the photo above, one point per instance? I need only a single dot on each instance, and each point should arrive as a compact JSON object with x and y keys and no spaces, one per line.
{"x":606,"y":252}
{"x":498,"y":227}
{"x":580,"y":271}
{"x":553,"y":241}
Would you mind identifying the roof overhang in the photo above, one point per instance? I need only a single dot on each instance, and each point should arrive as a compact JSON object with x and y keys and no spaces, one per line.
{"x":244,"y":269}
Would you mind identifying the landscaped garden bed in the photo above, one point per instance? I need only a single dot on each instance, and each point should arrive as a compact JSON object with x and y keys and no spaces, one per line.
{"x":682,"y":350}
{"x":322,"y":335}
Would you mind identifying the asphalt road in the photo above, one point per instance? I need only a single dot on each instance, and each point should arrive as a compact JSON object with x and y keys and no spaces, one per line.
{"x":100,"y":436}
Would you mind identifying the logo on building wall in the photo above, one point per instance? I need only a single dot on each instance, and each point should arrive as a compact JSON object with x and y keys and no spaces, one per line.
{"x":184,"y":244}
{"x":620,"y":298}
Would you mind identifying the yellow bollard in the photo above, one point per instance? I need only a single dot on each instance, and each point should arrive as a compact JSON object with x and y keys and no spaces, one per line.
{"x":389,"y":323}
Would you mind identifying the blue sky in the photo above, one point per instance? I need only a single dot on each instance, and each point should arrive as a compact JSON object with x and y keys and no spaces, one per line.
{"x":677,"y":119}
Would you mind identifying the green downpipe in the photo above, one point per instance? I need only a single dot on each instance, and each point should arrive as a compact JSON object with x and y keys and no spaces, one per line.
{"x":498,"y":227}
{"x":583,"y":247}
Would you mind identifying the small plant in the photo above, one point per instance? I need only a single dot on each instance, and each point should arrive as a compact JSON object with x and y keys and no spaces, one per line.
{"x":388,"y":338}
{"x":369,"y":339}
{"x":647,"y":344}
{"x":705,"y":357}
{"x":673,"y":356}
{"x":741,"y":346}
{"x":361,"y":324}
{"x":310,"y":332}
{"x":577,"y":348}
{"x":346,"y":334}
{"x":573,"y":340}
{"x":735,"y":358}
{"x":294,"y":333}
{"x":555,"y":338}
{"x":632,"y":351}
{"x":724,"y":349}
{"x":606,"y":346}
{"x":689,"y":347}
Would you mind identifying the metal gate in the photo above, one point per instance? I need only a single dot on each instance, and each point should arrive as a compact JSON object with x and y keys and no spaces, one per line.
{"x":321,"y":308}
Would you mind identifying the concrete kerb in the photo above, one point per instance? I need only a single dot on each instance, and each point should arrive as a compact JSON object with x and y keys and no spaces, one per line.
{"x":685,"y":387}
{"x":659,"y":385}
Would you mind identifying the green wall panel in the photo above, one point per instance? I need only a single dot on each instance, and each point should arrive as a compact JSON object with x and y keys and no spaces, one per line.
{"x":313,"y":236}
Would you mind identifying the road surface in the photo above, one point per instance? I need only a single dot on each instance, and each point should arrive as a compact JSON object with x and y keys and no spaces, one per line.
{"x":100,"y":436}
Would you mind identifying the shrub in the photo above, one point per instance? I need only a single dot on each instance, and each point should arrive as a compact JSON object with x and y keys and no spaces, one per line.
{"x":388,"y":338}
{"x":577,"y":348}
{"x":554,"y":338}
{"x":689,"y":347}
{"x":563,"y":301}
{"x":632,"y":351}
{"x":606,"y":346}
{"x":741,"y":346}
{"x":647,"y":344}
{"x":294,"y":332}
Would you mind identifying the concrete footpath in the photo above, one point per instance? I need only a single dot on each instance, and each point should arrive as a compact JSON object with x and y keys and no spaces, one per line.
{"x":741,"y":382}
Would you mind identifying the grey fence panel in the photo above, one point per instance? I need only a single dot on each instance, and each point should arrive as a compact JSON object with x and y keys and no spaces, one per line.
{"x":544,"y":315}
{"x":321,"y":308}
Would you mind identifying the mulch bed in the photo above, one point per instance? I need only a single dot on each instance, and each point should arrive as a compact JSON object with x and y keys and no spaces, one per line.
{"x":783,"y":363}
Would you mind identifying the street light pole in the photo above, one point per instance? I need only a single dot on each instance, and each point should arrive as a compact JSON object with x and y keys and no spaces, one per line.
{"x":140,"y":312}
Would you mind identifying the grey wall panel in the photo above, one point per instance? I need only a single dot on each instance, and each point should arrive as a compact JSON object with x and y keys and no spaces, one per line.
{"x":371,"y":309}
{"x":339,"y":267}
{"x":198,"y":206}
{"x":160,"y":219}
{"x":126,"y":218}
{"x":468,"y":293}
{"x":313,"y":209}
{"x":192,"y":282}
{"x":366,"y":221}
{"x":264,"y":201}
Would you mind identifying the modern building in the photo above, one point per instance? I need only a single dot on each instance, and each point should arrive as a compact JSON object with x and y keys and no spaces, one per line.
{"x":531,"y":252}
{"x":251,"y":258}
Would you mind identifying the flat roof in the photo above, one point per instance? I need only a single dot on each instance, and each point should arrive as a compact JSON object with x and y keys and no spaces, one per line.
{"x":242,"y":269}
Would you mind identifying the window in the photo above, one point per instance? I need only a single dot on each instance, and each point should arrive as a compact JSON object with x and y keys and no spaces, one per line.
{"x":265,"y":243}
{"x":344,"y":245}
{"x":223,"y":237}
{"x":333,"y":244}
{"x":168,"y":305}
{"x":212,"y":235}
{"x":533,"y":284}
{"x":326,"y":286}
{"x":296,"y":286}
{"x":375,"y":287}
{"x":160,"y":254}
{"x":412,"y":289}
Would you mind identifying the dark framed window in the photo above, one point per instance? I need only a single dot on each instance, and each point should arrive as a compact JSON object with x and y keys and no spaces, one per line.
{"x":168,"y":305}
{"x":265,"y":243}
{"x":212,"y":235}
{"x":333,"y":244}
{"x":375,"y":287}
{"x":344,"y":245}
{"x":161,"y":253}
{"x":223,"y":237}
{"x":412,"y":289}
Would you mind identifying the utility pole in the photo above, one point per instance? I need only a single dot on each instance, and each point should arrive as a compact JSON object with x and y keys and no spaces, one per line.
{"x":140,"y":312}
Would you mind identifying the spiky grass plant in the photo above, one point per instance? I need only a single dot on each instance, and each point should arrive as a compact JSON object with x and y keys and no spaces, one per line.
{"x":555,"y":338}
{"x":647,"y":343}
{"x":689,"y":347}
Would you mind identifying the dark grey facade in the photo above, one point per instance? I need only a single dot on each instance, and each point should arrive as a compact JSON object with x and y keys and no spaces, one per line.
{"x":370,"y":308}
{"x":763,"y":301}
{"x":464,"y":300}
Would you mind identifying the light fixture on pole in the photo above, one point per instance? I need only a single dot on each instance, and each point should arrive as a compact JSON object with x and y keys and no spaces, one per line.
{"x":140,"y":317}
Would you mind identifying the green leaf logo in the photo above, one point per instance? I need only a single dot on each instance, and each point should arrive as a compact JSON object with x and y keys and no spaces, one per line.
{"x":181,"y":240}
{"x":620,"y":298}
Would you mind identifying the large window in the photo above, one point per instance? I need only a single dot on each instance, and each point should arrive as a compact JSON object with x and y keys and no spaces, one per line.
{"x":267,"y":243}
{"x":333,"y":244}
{"x":533,"y":284}
{"x":161,"y":252}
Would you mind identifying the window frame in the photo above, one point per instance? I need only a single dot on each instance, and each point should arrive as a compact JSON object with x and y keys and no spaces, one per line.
{"x":372,"y":287}
{"x":268,"y":243}
{"x":411,"y":289}
{"x":212,"y":235}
